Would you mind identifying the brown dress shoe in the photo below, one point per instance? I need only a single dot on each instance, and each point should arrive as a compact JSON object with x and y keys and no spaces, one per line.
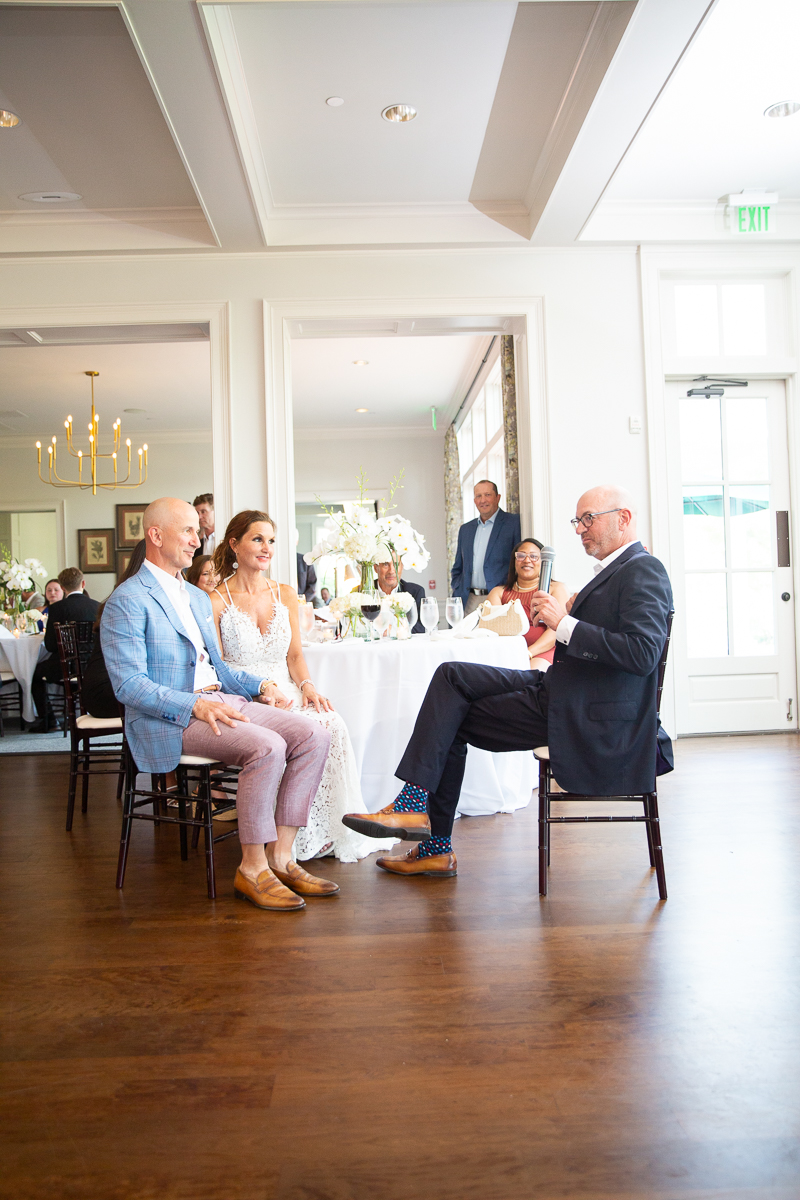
{"x":266,"y":892}
{"x":409,"y":826}
{"x":440,"y":866}
{"x":304,"y":884}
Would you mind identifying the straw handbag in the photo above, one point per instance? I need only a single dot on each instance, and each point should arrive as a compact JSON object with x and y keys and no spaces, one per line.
{"x":508,"y":620}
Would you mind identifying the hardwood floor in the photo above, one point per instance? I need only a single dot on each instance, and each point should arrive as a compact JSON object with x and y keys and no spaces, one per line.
{"x":453,"y":1039}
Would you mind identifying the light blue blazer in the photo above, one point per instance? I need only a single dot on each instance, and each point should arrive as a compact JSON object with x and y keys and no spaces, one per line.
{"x":151,"y":662}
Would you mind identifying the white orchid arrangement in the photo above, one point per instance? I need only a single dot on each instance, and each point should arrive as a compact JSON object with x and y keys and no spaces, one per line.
{"x":18,"y":577}
{"x":359,"y":536}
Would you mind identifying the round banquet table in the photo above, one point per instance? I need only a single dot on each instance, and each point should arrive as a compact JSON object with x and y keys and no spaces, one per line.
{"x":378,"y":689}
{"x":20,"y":656}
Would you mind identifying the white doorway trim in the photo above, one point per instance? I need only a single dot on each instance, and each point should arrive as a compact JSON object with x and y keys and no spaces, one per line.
{"x":55,"y":506}
{"x":215,"y":313}
{"x":690,"y":264}
{"x":527,"y":325}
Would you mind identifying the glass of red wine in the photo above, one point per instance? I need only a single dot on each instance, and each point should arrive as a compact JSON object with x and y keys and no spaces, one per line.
{"x":370,"y":610}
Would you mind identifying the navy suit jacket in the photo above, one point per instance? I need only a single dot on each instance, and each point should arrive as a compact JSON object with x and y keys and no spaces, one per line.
{"x":504,"y":537}
{"x":602,"y":722}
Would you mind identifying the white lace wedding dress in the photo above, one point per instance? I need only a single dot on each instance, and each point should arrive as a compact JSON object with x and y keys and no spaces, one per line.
{"x":244,"y":646}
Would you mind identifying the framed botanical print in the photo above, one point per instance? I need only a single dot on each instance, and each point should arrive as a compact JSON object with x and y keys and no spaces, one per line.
{"x":123,"y":559}
{"x":129,"y":525}
{"x":96,"y":551}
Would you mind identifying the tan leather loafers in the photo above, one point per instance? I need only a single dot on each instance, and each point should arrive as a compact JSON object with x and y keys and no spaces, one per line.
{"x":304,"y":884}
{"x":410,"y":826}
{"x":439,"y":866}
{"x":267,"y":892}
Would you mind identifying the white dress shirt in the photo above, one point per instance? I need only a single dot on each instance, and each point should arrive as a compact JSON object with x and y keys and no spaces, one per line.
{"x":479,"y":548}
{"x":178,"y":596}
{"x":568,"y":623}
{"x":209,"y":543}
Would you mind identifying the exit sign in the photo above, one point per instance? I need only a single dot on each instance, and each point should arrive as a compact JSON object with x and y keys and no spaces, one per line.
{"x":754,"y":218}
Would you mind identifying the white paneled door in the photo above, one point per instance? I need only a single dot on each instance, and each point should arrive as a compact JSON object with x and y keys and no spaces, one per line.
{"x":734,"y":643}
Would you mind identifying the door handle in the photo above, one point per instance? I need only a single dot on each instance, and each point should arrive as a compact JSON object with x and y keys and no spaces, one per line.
{"x":789,"y":711}
{"x":782,"y":530}
{"x":786,"y":595}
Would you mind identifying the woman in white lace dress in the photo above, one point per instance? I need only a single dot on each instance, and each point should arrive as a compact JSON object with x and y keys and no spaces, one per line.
{"x":258,"y":629}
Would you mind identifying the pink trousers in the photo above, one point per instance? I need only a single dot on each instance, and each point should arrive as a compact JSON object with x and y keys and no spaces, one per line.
{"x":282,"y":755}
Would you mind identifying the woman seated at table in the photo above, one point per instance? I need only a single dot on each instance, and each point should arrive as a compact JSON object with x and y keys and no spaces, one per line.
{"x":97,"y":694}
{"x":201,"y":573}
{"x":522,"y":582}
{"x":53,"y":592}
{"x":259,"y":632}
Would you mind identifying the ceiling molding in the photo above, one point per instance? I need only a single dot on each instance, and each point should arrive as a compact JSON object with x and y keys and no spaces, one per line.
{"x":637,"y":221}
{"x":375,"y":433}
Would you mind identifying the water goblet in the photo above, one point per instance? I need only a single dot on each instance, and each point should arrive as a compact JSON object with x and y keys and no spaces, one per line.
{"x":429,"y":615}
{"x":454,"y":610}
{"x":305,"y":617}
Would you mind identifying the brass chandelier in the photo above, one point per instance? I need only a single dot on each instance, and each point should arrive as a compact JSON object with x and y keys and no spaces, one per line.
{"x":92,"y":456}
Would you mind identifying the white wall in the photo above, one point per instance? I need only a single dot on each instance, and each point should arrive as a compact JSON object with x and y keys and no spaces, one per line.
{"x":176,"y":469}
{"x":592,"y":340}
{"x":330,"y":467}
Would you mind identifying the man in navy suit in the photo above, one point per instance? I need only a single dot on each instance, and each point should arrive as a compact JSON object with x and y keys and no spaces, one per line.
{"x":595,"y":707}
{"x":484,"y":548}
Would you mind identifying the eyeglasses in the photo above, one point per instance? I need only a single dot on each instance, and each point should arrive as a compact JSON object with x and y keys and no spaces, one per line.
{"x":520,"y":557}
{"x":587,"y":518}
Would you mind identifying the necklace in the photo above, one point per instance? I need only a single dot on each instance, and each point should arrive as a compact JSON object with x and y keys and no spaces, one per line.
{"x":534,"y":587}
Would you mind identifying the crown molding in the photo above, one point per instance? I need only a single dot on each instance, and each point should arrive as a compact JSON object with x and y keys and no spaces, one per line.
{"x":340,"y":434}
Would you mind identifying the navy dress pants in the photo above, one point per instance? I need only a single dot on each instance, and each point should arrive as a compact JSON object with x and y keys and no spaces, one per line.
{"x":470,"y":705}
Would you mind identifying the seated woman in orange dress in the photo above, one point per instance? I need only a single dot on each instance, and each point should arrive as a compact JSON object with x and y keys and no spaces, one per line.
{"x":522,"y":582}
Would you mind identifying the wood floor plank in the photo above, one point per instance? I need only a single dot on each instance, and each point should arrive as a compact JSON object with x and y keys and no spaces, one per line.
{"x":459,"y":1040}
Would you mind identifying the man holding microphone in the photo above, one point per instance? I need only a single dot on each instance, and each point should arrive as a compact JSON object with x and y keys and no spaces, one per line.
{"x":595,"y":707}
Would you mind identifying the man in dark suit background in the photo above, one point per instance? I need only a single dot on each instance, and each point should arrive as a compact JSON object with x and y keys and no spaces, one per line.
{"x":204,"y":506}
{"x":74,"y":607}
{"x":391,"y":580}
{"x":306,"y":580}
{"x":595,"y":708}
{"x":484,"y":548}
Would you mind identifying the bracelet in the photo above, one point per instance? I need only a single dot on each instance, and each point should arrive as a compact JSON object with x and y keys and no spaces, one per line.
{"x":265,"y":683}
{"x":303,"y":684}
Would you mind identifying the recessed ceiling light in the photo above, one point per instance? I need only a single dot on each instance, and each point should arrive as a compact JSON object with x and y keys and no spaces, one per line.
{"x":786,"y":108}
{"x":362,"y":410}
{"x":8,"y":119}
{"x":399,"y":112}
{"x":51,"y":197}
{"x":134,"y":410}
{"x":360,"y":362}
{"x":335,"y":101}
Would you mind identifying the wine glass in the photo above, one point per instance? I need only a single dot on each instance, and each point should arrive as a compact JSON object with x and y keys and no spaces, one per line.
{"x":454,"y":610}
{"x":370,"y":609}
{"x":305,"y":616}
{"x":429,"y":614}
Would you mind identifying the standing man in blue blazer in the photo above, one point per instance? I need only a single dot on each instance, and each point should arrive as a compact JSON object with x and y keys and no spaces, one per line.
{"x":160,"y":646}
{"x":484,"y":548}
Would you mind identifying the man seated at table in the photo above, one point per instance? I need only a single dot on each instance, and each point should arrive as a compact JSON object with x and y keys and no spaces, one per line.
{"x":74,"y":607}
{"x":160,"y":646}
{"x":390,"y":580}
{"x":595,"y":707}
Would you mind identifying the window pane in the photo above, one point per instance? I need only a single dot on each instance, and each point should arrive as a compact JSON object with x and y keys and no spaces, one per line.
{"x":747,"y":434}
{"x":703,"y":529}
{"x":751,"y":527}
{"x":706,"y":616}
{"x":494,"y":407}
{"x":744,"y":318}
{"x":701,"y":439}
{"x":696,"y":321}
{"x":753,"y":613}
{"x":478,"y":425}
{"x":496,"y":467}
{"x":465,"y":455}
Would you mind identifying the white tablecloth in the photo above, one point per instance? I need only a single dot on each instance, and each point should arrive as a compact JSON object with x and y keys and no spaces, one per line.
{"x":379,"y":688}
{"x":20,"y":656}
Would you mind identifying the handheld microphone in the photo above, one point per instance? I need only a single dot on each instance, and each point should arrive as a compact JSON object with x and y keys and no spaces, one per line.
{"x":546,"y":571}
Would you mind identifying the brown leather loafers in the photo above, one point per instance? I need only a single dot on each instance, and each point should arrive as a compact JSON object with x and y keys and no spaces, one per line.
{"x":439,"y":866}
{"x":304,"y":884}
{"x":409,"y":826}
{"x":266,"y":892}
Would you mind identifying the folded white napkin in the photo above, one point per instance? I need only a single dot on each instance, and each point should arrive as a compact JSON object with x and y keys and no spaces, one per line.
{"x":4,"y":633}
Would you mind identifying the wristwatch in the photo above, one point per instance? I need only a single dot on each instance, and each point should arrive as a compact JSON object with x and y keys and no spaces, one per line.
{"x":265,"y":683}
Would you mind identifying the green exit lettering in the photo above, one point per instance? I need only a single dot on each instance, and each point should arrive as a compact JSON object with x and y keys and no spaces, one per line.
{"x":754,"y":219}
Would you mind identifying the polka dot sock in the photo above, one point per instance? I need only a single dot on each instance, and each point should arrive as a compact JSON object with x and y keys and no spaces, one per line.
{"x":435,"y":845}
{"x":412,"y":799}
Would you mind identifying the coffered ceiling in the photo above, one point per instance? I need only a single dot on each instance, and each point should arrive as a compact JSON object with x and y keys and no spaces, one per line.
{"x":203,"y":126}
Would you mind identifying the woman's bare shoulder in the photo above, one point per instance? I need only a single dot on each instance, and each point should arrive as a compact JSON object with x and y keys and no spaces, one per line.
{"x":558,"y":589}
{"x":496,"y":594}
{"x":287,"y":592}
